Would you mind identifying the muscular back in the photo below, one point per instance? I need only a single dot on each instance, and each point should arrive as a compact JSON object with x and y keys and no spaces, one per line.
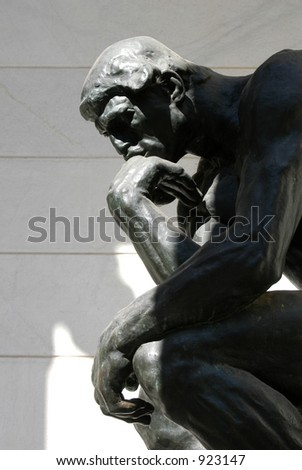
{"x":271,"y":102}
{"x":271,"y":116}
{"x":270,"y":112}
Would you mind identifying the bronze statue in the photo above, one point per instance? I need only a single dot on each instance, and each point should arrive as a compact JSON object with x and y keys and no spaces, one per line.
{"x":218,"y":358}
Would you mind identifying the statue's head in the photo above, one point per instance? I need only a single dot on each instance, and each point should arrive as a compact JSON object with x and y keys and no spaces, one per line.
{"x":134,"y":93}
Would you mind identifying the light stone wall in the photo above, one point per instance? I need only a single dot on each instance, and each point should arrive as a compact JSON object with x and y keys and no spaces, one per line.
{"x":57,"y":296}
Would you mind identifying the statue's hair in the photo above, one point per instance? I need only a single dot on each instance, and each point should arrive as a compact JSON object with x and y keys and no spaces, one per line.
{"x":130,"y":65}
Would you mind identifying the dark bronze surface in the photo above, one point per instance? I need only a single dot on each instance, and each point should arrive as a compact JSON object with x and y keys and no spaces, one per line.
{"x":218,"y":358}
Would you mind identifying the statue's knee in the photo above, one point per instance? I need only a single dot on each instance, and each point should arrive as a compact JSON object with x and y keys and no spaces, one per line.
{"x":147,"y":365}
{"x":161,"y":370}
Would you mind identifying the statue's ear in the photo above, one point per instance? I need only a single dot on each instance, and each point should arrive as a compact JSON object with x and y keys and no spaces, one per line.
{"x":174,"y":84}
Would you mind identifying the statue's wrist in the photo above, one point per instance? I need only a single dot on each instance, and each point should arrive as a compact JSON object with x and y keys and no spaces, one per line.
{"x":125,"y":198}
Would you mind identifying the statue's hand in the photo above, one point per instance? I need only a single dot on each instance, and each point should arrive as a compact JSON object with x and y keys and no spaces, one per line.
{"x":111,"y":370}
{"x":159,"y":180}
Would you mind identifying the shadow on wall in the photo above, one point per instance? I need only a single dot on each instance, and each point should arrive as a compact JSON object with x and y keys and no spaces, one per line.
{"x":74,"y":374}
{"x":61,"y":303}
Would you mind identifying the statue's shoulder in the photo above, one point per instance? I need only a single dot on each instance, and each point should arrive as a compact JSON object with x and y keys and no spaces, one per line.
{"x":283,"y":65}
{"x":279,"y":74}
{"x":275,"y":88}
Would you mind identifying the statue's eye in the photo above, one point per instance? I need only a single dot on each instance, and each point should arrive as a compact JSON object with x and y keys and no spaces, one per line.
{"x":121,"y":123}
{"x":116,"y":126}
{"x":128,"y":115}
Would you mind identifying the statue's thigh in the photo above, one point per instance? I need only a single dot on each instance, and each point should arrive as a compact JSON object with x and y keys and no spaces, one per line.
{"x":265,"y":339}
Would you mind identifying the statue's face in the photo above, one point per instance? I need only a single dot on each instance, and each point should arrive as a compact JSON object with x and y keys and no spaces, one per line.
{"x":142,"y":124}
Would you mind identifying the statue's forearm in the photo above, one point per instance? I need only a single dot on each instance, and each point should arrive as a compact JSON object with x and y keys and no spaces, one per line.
{"x":160,"y":244}
{"x":215,"y":283}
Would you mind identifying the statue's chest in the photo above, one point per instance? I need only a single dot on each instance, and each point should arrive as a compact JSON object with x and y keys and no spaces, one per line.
{"x":219,"y":202}
{"x":220,"y":199}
